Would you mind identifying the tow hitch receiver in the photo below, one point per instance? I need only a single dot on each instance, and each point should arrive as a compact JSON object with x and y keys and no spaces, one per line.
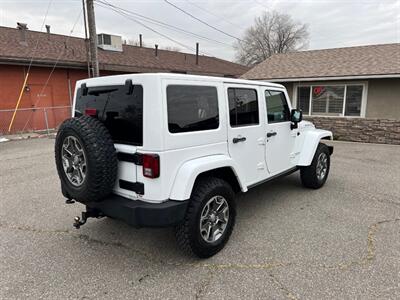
{"x":89,"y":213}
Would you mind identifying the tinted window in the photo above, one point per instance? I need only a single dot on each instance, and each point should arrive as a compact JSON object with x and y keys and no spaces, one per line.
{"x":303,"y":98}
{"x":243,"y":107}
{"x":121,"y":113}
{"x":353,"y":100}
{"x":192,"y":108}
{"x":277,"y":107}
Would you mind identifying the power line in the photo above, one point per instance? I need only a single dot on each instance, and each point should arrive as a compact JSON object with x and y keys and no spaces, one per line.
{"x":211,"y":13}
{"x":150,"y":28}
{"x":162,"y":24}
{"x":146,"y":26}
{"x":261,"y":4}
{"x":29,"y":67}
{"x":52,"y":70}
{"x":41,"y":28}
{"x":201,"y":21}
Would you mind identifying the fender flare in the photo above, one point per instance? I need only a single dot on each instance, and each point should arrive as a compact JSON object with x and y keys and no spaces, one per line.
{"x":190,"y":170}
{"x":310,"y":144}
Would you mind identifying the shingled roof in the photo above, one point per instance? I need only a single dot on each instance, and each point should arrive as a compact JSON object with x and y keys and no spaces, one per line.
{"x":361,"y":61}
{"x":71,"y":52}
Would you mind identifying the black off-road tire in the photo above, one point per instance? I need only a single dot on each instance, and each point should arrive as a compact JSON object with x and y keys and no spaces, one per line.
{"x":188,"y":233}
{"x":308,"y":174}
{"x":101,"y":165}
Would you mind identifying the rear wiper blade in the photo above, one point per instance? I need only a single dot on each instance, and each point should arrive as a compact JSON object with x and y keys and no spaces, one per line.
{"x":99,"y":91}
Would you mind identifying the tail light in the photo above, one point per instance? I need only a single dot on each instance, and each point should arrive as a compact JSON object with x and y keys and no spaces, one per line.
{"x":91,"y":112}
{"x":151,"y":165}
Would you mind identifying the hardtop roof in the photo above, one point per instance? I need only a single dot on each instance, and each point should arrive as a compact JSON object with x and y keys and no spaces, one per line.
{"x":120,"y":79}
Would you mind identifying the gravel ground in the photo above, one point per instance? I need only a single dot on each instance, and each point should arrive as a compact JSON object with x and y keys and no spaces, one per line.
{"x":342,"y":241}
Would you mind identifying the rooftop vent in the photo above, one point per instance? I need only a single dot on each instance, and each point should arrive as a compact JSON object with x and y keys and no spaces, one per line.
{"x":22,"y":27}
{"x":109,"y":42}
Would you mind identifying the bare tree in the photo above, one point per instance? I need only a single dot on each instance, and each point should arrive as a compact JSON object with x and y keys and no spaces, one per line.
{"x":172,"y":48}
{"x":272,"y":32}
{"x":134,"y":43}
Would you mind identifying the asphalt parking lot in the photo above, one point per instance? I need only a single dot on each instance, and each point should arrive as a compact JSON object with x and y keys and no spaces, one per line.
{"x":342,"y":241}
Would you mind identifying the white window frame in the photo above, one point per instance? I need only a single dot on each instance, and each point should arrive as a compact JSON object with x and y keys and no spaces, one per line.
{"x":345,"y":84}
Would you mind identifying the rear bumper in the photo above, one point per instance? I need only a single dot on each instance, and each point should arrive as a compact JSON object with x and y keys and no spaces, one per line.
{"x":142,"y":214}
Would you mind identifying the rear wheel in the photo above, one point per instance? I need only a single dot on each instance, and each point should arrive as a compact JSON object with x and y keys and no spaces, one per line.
{"x":315,"y":175}
{"x":209,"y":219}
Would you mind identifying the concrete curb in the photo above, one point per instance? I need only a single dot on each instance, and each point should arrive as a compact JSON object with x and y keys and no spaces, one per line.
{"x":361,"y":143}
{"x":27,"y":136}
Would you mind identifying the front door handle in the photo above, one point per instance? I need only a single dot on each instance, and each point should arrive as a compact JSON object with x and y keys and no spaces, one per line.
{"x":238,"y":139}
{"x":272,"y":133}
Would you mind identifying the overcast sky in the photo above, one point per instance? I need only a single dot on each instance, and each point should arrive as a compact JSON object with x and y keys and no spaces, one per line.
{"x":332,"y":23}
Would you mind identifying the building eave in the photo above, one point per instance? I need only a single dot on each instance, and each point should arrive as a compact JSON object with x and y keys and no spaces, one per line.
{"x":41,"y":63}
{"x":102,"y":66}
{"x":331,"y":78}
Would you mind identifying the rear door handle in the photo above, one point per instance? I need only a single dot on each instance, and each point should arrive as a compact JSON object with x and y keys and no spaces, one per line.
{"x":269,"y":134}
{"x":238,"y":139}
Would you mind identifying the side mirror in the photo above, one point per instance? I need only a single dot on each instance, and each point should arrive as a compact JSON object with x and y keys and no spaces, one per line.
{"x":296,"y":116}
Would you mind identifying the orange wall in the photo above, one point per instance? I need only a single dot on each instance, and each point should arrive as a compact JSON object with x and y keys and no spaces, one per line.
{"x":38,"y":94}
{"x":55,"y":93}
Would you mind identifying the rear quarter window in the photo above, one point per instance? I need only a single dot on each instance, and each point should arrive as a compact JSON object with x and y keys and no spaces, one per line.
{"x":192,"y":108}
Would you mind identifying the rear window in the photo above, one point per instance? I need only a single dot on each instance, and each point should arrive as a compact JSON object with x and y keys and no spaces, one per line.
{"x":192,"y":108}
{"x":120,"y":109}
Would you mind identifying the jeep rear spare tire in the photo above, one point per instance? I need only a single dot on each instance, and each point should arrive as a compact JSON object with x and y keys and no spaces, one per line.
{"x":86,"y":159}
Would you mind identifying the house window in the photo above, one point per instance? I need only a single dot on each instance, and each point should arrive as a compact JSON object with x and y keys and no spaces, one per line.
{"x":353,"y":100}
{"x":303,"y":98}
{"x":330,"y":100}
{"x":327,"y":100}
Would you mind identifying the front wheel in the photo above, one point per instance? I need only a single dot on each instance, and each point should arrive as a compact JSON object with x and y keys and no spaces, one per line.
{"x":209,"y":219}
{"x":315,"y":175}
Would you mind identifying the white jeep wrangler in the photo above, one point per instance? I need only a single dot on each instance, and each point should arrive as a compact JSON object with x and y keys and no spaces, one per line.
{"x":172,"y":150}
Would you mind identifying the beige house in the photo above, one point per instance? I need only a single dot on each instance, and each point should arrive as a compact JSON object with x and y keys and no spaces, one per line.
{"x":342,"y":88}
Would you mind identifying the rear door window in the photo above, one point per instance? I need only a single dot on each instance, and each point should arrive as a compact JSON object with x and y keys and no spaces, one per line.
{"x":120,"y":109}
{"x":192,"y":108}
{"x":243,"y":107}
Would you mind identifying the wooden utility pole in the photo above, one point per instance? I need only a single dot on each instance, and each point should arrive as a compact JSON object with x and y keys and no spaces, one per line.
{"x":92,"y":37}
{"x":86,"y":37}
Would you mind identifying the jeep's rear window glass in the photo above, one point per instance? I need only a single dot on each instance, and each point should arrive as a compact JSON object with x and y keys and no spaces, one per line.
{"x":192,"y":108}
{"x":243,"y":107}
{"x":121,"y":112}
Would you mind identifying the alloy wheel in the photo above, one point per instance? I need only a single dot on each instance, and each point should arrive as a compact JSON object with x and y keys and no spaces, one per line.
{"x":74,"y":161}
{"x":214,"y":219}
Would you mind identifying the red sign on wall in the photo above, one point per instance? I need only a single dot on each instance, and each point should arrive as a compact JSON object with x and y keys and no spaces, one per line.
{"x":318,"y":90}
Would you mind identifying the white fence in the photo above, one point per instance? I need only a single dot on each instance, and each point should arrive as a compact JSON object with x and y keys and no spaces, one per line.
{"x":33,"y":119}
